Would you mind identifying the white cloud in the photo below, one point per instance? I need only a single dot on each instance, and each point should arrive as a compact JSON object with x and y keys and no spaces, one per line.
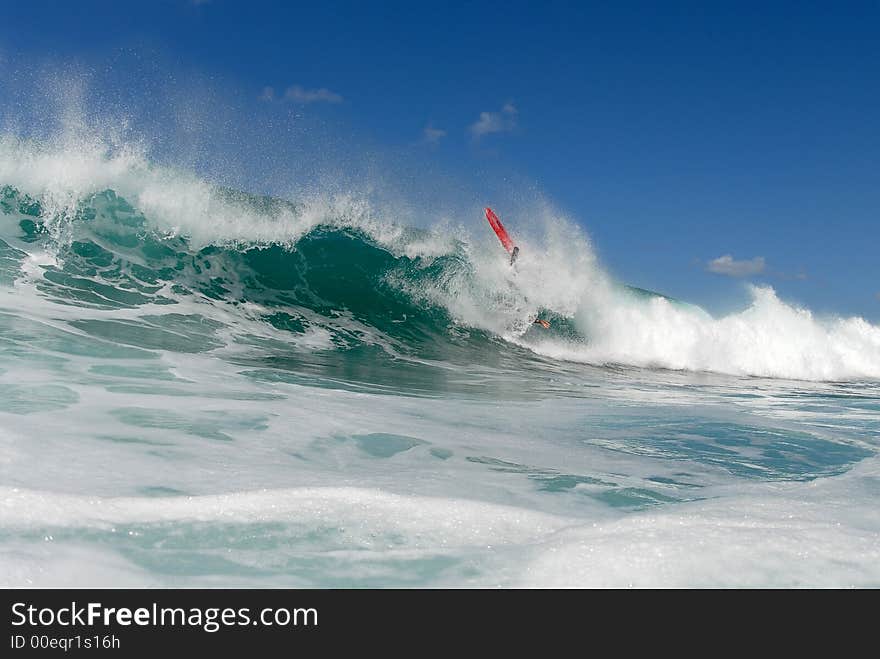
{"x":495,"y":122}
{"x":298,"y":94}
{"x":727,"y":265}
{"x":268,"y":94}
{"x":433,"y":135}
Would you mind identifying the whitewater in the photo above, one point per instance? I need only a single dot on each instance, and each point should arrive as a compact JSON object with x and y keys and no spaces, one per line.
{"x":201,"y":386}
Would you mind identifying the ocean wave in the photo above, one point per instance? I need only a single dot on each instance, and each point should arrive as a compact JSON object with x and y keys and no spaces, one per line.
{"x":100,"y":228}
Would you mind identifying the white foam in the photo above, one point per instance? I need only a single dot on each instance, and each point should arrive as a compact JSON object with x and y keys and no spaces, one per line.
{"x":782,"y":535}
{"x":769,"y":339}
{"x":49,"y":564}
{"x":362,"y":511}
{"x":759,"y":535}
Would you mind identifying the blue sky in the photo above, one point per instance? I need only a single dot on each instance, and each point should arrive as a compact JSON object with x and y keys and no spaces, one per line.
{"x":702,"y":145}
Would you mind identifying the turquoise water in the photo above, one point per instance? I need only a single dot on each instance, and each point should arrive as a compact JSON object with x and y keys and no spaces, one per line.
{"x":201,"y":387}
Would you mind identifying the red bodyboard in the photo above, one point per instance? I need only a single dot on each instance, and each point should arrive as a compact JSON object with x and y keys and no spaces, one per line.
{"x":499,"y":229}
